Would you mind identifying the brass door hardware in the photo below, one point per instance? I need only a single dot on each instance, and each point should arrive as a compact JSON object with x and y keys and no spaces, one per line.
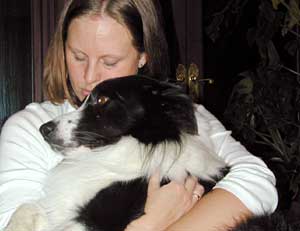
{"x":192,"y":80}
{"x":193,"y":83}
{"x":180,"y":73}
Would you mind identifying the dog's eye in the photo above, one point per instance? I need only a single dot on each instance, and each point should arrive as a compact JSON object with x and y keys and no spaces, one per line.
{"x":102,"y":100}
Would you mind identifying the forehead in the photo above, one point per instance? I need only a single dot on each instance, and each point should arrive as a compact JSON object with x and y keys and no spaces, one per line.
{"x":93,"y":33}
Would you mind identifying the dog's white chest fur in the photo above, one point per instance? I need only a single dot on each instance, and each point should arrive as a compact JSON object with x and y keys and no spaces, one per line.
{"x":84,"y":172}
{"x":135,"y":106}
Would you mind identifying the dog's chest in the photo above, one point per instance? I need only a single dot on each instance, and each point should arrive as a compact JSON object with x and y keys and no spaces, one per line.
{"x":74,"y":182}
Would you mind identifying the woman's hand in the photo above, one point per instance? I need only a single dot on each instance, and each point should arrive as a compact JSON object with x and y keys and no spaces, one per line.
{"x":167,"y":204}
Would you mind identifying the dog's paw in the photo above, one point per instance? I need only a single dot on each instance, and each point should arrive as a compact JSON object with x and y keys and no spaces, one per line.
{"x":28,"y":217}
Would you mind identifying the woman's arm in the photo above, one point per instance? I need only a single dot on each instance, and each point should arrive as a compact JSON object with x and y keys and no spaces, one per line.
{"x":166,"y":204}
{"x":249,"y":187}
{"x":25,"y":160}
{"x":214,"y":212}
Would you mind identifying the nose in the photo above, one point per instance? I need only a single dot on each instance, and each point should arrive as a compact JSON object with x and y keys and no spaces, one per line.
{"x":92,"y":74}
{"x":47,"y":128}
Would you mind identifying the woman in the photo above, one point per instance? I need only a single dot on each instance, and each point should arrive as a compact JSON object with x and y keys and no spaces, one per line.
{"x":98,"y":40}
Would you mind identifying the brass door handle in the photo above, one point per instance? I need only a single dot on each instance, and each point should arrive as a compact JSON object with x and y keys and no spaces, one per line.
{"x":193,"y":72}
{"x":193,"y":83}
{"x":191,"y":79}
{"x":181,"y":73}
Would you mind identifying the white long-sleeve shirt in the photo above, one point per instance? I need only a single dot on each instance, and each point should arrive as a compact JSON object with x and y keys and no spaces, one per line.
{"x":26,"y":159}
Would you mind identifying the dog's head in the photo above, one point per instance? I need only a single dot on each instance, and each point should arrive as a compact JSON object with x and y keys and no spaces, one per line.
{"x":137,"y":106}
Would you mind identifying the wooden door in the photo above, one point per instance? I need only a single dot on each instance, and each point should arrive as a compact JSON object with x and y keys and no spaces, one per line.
{"x":25,"y":32}
{"x":183,"y":25}
{"x":44,"y":16}
{"x":15,"y":56}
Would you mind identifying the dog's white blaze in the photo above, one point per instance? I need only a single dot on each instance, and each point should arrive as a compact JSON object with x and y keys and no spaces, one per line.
{"x":66,"y":125}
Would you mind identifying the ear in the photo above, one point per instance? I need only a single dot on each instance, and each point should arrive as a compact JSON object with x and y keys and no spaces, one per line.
{"x":143,"y":59}
{"x":179,"y":107}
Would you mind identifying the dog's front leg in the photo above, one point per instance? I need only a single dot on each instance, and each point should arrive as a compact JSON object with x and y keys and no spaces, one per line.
{"x":28,"y":217}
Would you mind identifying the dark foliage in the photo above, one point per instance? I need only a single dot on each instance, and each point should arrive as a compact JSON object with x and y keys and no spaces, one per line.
{"x":264,"y":108}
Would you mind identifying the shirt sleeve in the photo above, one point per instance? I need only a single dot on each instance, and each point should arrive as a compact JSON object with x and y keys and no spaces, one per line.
{"x":249,"y":179}
{"x":25,"y":159}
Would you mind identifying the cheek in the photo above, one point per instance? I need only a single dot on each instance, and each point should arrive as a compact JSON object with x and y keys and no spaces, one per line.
{"x":131,"y":66}
{"x":76,"y":71}
{"x":124,"y":69}
{"x":132,"y":69}
{"x":118,"y":72}
{"x":76,"y":74}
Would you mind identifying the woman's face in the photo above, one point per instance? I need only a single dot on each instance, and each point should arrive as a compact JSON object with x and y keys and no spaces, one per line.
{"x":99,"y":48}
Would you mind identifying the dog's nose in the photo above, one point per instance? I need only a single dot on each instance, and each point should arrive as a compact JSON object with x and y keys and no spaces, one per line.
{"x":47,"y":128}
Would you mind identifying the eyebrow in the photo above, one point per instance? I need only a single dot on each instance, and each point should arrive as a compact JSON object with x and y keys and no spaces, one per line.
{"x":117,"y":56}
{"x":75,"y":49}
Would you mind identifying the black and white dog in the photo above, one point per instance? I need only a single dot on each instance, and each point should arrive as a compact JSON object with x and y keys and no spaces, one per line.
{"x":125,"y":130}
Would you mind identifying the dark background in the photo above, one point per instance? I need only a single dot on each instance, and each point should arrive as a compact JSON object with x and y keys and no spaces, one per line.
{"x":274,"y":114}
{"x":27,"y":27}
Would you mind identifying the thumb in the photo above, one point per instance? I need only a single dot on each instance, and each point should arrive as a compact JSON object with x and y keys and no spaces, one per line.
{"x":154,"y":182}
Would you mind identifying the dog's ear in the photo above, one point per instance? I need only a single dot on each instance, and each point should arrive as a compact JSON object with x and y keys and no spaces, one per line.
{"x":179,"y":107}
{"x":168,"y":112}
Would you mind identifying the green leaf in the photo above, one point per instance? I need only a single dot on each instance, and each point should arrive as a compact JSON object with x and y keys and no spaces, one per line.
{"x":276,"y":3}
{"x":245,"y":86}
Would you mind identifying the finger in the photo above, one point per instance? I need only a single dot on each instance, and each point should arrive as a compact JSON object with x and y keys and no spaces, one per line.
{"x":190,"y":183}
{"x":195,"y":196}
{"x":195,"y":199}
{"x":154,"y":182}
{"x":198,"y":192}
{"x":199,"y":189}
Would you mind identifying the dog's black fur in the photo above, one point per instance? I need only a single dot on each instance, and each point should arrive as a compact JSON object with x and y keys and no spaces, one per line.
{"x":274,"y":222}
{"x":137,"y":108}
{"x":153,"y":112}
{"x":150,"y":111}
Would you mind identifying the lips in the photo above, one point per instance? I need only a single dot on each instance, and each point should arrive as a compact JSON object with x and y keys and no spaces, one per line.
{"x":86,"y":92}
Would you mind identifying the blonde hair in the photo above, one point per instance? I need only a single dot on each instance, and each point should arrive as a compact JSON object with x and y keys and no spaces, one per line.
{"x":141,"y":17}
